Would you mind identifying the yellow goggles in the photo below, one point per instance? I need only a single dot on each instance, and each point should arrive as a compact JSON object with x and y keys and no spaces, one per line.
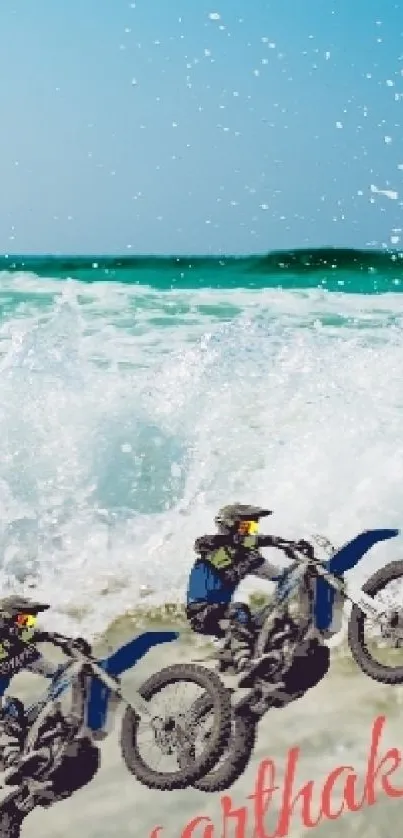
{"x":248,"y":528}
{"x":25,"y":621}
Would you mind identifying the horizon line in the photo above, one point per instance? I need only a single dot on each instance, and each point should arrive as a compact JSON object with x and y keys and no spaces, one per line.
{"x":179,"y":256}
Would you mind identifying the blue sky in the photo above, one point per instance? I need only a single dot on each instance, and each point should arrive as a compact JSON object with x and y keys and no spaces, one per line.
{"x":200,"y":127}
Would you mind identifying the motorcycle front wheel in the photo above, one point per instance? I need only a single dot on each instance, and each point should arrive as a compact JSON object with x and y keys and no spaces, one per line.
{"x":365,"y":648}
{"x":173,"y":729}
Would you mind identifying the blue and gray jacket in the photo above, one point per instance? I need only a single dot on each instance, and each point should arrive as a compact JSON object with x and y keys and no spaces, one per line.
{"x":220,"y":567}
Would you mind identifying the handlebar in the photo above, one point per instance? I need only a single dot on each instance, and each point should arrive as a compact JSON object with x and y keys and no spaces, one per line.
{"x":77,"y":649}
{"x":302,"y":552}
{"x":294,"y":549}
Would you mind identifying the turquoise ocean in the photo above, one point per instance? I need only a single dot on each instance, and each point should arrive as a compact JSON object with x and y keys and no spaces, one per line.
{"x":139,"y":394}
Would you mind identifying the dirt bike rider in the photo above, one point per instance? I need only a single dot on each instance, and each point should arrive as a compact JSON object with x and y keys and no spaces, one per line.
{"x":18,"y":639}
{"x":224,"y":560}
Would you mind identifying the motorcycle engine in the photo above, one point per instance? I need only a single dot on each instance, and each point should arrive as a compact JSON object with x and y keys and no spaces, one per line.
{"x":283,"y":639}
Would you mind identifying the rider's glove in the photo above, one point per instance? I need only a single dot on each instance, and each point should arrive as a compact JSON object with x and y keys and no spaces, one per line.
{"x":81,"y":645}
{"x":68,"y":644}
{"x":306,"y":548}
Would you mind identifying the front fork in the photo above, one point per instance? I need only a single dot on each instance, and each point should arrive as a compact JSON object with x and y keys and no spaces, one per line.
{"x":390,"y":622}
{"x":367,"y":605}
{"x":137,"y":703}
{"x":362,"y":600}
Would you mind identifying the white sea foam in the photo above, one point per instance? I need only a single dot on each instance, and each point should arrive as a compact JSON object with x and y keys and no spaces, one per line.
{"x":128,"y":415}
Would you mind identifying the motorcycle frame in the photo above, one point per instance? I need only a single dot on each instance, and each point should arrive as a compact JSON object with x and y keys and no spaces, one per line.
{"x":95,"y":681}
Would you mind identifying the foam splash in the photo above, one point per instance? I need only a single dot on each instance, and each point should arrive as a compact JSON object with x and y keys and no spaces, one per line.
{"x":120,"y":436}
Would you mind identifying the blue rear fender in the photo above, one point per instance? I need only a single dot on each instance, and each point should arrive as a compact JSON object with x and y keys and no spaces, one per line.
{"x":343,"y":560}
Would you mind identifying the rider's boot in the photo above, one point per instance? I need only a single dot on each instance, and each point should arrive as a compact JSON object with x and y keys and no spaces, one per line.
{"x":240,"y":636}
{"x":242,"y":641}
{"x":269,"y":665}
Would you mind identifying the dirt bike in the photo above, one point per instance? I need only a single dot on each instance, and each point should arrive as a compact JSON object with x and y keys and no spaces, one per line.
{"x":291,"y":655}
{"x":60,"y":754}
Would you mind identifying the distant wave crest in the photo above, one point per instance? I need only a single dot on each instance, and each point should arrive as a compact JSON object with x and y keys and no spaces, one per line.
{"x":333,"y":269}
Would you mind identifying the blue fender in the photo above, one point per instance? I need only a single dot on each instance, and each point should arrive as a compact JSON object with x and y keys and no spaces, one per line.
{"x":120,"y":661}
{"x":128,"y":655}
{"x":343,"y":560}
